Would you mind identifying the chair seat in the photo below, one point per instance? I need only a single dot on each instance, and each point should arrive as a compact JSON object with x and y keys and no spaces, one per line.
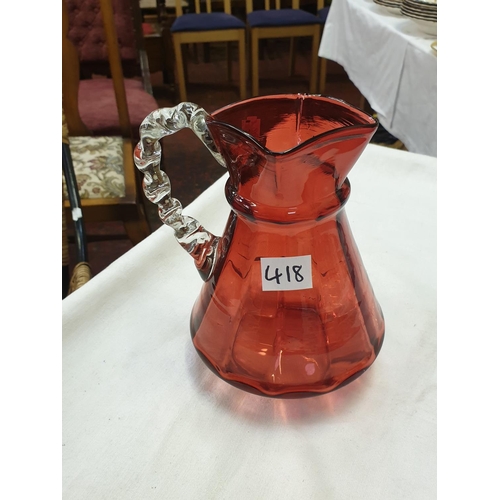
{"x":98,"y":165}
{"x":206,"y":22}
{"x":101,"y":115}
{"x":281,"y":17}
{"x":323,"y":14}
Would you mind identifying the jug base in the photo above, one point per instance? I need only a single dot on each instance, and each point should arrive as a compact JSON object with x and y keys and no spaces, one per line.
{"x":289,"y":392}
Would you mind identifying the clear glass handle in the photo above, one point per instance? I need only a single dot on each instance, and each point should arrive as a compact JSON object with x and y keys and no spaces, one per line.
{"x":191,"y":235}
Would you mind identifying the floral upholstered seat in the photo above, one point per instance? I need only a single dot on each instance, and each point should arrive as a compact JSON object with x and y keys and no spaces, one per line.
{"x":98,"y":164}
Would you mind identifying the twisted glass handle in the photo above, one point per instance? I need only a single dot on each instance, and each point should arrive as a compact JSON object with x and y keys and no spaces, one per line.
{"x":191,"y":235}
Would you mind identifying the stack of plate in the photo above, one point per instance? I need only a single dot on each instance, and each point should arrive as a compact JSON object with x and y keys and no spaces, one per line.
{"x":392,"y":5}
{"x":423,"y":12}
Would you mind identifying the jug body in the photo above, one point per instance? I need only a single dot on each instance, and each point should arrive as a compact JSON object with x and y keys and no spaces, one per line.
{"x":287,"y":309}
{"x":290,"y":310}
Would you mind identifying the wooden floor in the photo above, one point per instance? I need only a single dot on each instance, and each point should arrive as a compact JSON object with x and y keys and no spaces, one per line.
{"x":186,"y":157}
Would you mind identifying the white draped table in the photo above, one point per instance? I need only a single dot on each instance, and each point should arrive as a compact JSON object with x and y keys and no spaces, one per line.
{"x":391,"y":62}
{"x":143,"y":418}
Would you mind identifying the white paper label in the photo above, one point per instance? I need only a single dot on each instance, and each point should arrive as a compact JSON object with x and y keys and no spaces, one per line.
{"x":286,"y":273}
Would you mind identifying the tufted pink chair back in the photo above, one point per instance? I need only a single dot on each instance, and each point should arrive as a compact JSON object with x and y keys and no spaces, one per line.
{"x":86,"y":32}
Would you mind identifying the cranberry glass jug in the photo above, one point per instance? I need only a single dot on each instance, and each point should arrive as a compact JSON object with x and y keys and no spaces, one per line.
{"x":286,"y":308}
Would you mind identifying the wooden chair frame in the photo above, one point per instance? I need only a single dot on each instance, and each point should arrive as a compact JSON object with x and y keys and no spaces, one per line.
{"x":229,"y":35}
{"x":128,"y":209}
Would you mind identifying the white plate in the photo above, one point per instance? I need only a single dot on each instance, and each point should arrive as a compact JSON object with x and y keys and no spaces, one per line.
{"x":418,"y":13}
{"x":388,"y":5}
{"x":423,"y":8}
{"x":427,"y":3}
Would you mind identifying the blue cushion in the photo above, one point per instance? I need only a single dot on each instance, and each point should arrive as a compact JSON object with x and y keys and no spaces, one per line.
{"x":323,"y":14}
{"x":206,"y":22}
{"x":281,"y":17}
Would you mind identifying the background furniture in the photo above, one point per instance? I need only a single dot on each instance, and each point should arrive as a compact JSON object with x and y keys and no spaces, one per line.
{"x":109,"y":187}
{"x":96,"y":97}
{"x":393,"y":65}
{"x":86,"y":32}
{"x":143,"y":417}
{"x":205,"y":27}
{"x":282,"y":23}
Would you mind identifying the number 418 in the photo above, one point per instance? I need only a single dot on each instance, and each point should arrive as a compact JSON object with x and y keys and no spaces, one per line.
{"x":277,"y":275}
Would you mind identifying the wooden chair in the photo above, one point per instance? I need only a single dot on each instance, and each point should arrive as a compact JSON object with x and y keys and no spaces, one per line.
{"x":109,"y":186}
{"x":282,"y":23}
{"x":206,"y":27}
{"x":96,"y":96}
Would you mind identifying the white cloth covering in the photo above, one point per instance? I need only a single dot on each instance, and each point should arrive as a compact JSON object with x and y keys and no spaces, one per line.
{"x":391,"y":62}
{"x":143,"y":418}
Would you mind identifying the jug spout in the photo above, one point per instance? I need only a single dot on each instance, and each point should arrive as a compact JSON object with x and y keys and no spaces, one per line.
{"x":285,"y":125}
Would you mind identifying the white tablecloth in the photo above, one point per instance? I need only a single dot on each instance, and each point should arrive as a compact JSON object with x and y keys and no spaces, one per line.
{"x":391,"y":62}
{"x":143,"y":418}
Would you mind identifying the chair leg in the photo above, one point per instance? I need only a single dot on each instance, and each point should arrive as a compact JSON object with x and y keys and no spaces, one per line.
{"x":180,"y":70}
{"x":243,"y":66}
{"x":229,"y":61}
{"x":322,"y":74}
{"x":291,"y":60}
{"x":137,"y":228}
{"x":186,"y":56}
{"x":255,"y":64}
{"x":314,"y":62}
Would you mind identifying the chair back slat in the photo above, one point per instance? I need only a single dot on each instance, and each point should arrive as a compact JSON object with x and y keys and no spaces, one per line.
{"x":227,"y":6}
{"x":115,"y":64}
{"x":71,"y":80}
{"x":178,"y":8}
{"x":321,"y":4}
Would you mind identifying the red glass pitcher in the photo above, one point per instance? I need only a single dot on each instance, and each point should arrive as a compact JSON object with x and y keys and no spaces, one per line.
{"x":286,"y":308}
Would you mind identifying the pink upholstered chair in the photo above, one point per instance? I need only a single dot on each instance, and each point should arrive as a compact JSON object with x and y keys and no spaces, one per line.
{"x":97,"y":102}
